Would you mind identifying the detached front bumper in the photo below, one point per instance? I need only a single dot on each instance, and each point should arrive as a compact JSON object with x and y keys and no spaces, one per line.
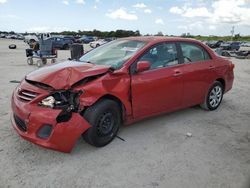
{"x":38,"y":125}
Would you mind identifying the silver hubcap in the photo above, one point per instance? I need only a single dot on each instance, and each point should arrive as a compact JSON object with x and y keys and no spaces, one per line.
{"x":215,"y":96}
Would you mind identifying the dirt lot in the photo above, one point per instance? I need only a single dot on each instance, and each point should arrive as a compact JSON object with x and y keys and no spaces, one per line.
{"x":156,"y":152}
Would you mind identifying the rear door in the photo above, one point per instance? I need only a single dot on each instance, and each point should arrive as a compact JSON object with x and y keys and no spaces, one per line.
{"x":198,"y":73}
{"x":159,"y":89}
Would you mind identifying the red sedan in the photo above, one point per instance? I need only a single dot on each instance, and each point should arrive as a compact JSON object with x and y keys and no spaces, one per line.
{"x":118,"y":83}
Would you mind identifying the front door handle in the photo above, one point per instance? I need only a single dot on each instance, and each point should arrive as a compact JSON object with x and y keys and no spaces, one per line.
{"x":177,"y":73}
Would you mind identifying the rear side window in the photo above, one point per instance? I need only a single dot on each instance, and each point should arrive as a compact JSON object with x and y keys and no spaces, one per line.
{"x":193,"y":53}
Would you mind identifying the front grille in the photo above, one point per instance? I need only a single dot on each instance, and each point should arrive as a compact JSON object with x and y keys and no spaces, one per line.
{"x":26,"y":95}
{"x":20,"y":123}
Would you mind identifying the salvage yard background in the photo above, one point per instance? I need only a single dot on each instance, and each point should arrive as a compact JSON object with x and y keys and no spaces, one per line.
{"x":156,"y":152}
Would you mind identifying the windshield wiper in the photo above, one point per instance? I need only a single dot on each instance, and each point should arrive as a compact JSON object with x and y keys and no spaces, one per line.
{"x":112,"y":69}
{"x":87,"y":62}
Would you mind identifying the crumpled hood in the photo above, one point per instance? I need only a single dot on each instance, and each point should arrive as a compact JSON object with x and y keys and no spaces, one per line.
{"x":63,"y":75}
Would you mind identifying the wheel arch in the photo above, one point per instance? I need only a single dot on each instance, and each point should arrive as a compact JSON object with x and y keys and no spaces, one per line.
{"x":222,"y":81}
{"x":117,"y":100}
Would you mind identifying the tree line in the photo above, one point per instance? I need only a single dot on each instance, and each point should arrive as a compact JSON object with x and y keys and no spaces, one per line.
{"x":102,"y":34}
{"x":127,"y":33}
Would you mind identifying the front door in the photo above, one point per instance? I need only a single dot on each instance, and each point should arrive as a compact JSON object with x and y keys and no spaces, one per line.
{"x":159,"y":89}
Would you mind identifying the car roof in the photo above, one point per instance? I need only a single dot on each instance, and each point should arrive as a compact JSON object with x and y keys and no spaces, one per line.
{"x":152,"y":40}
{"x":156,"y":39}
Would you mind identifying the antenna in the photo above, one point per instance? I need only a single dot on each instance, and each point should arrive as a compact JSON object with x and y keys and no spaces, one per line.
{"x":232,"y":33}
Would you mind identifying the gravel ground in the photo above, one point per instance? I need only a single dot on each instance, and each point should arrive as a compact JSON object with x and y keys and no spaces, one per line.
{"x":156,"y":152}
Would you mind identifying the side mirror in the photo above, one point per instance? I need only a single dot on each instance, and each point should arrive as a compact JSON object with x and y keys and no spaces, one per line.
{"x":143,"y":66}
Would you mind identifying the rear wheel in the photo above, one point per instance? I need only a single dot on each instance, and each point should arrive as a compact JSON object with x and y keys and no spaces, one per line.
{"x":44,"y":61}
{"x":105,"y":119}
{"x":214,"y":96}
{"x":53,"y":61}
{"x":39,"y":63}
{"x":65,"y":46}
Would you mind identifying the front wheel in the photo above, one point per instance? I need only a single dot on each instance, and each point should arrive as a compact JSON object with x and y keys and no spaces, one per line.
{"x":214,"y":97}
{"x":105,"y":119}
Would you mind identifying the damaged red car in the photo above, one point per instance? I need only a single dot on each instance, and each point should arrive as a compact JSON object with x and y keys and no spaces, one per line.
{"x":118,"y":83}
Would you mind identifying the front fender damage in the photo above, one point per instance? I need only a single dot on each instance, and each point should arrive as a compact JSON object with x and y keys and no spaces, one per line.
{"x":70,"y":123}
{"x":67,"y":133}
{"x":63,"y":136}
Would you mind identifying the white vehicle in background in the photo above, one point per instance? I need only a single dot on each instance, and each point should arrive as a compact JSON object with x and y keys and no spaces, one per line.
{"x":245,"y":44}
{"x":7,"y":36}
{"x":35,"y":38}
{"x":99,"y":42}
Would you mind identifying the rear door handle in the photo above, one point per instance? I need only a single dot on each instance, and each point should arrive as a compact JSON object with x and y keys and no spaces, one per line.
{"x":211,"y":67}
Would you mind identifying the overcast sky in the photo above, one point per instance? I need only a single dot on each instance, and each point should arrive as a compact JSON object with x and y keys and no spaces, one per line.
{"x":211,"y":17}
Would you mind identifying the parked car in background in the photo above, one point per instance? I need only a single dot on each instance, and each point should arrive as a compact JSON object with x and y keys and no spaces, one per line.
{"x":70,"y":38}
{"x":99,"y":42}
{"x":2,"y":35}
{"x":245,"y":44}
{"x":121,"y":82}
{"x":60,"y":42}
{"x":9,"y":36}
{"x":85,"y":39}
{"x":19,"y":37}
{"x":214,"y":44}
{"x":230,"y":45}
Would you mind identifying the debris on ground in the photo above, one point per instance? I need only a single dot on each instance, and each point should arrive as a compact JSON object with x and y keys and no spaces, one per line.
{"x":14,"y":81}
{"x":120,"y":138}
{"x":12,"y":46}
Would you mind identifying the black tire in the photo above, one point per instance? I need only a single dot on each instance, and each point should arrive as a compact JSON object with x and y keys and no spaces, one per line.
{"x":39,"y":63}
{"x":44,"y":61}
{"x":30,"y":61}
{"x":53,"y":61}
{"x":97,"y":45}
{"x":212,"y":95}
{"x":105,"y":119}
{"x":12,"y":46}
{"x":226,"y":54}
{"x":65,"y":47}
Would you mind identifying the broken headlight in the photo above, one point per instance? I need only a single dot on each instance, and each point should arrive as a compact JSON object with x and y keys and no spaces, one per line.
{"x":58,"y":99}
{"x":48,"y":102}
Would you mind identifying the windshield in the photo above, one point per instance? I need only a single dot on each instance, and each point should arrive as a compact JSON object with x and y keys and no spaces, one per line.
{"x":114,"y":53}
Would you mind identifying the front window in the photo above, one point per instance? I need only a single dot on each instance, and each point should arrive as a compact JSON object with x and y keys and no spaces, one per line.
{"x":161,"y":55}
{"x":115,"y":53}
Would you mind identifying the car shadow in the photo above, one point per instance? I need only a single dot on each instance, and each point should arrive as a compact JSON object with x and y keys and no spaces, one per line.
{"x":145,"y":126}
